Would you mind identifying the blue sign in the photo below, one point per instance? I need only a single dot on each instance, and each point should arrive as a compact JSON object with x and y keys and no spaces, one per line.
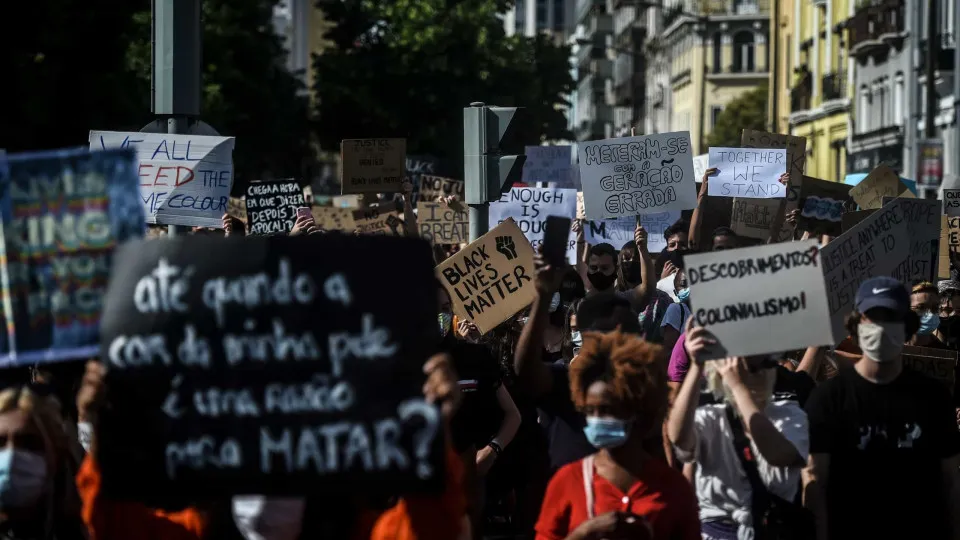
{"x":63,"y":213}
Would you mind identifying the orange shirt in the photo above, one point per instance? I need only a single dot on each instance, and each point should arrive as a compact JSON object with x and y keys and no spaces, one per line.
{"x":662,"y":496}
{"x":434,"y":517}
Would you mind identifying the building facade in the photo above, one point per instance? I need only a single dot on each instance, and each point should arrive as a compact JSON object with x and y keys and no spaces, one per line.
{"x":593,"y":112}
{"x":629,"y":67}
{"x":531,"y":17}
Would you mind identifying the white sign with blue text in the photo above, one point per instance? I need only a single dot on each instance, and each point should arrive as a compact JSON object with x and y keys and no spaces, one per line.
{"x":529,"y":207}
{"x":184,"y":179}
{"x":549,"y":164}
{"x":619,"y":231}
{"x":748,"y":173}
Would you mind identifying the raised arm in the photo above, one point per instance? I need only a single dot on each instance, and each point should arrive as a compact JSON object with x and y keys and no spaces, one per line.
{"x":680,"y":428}
{"x":697,"y":218}
{"x":528,"y":363}
{"x":409,"y":217}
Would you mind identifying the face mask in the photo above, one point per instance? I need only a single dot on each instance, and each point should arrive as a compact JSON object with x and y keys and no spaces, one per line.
{"x":881,"y":342}
{"x":601,"y":281}
{"x":576,"y":339}
{"x":23,"y":476}
{"x":683,"y":294}
{"x":445,"y":320}
{"x":929,"y":322}
{"x":631,"y":271}
{"x":606,"y":432}
{"x":268,"y":518}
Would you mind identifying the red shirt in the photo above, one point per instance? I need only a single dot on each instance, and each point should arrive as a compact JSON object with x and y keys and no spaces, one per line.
{"x":662,"y":495}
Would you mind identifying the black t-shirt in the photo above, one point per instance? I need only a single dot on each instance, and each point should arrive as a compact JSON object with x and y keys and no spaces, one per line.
{"x":561,"y":422}
{"x":795,"y":385}
{"x":885,"y":444}
{"x":479,"y":416}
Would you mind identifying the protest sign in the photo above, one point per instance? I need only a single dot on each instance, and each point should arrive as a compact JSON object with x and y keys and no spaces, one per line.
{"x":943,"y":261}
{"x":434,"y":187}
{"x":237,"y":208}
{"x":881,"y":182}
{"x":822,"y":205}
{"x":378,"y":220}
{"x":637,"y":175}
{"x":776,"y":287}
{"x":751,"y":173}
{"x":700,"y":165}
{"x":529,"y":208}
{"x":346,"y":201}
{"x":548,"y":164}
{"x":491,"y":279}
{"x":899,"y":240}
{"x":63,"y":213}
{"x":330,"y":218}
{"x":620,"y":231}
{"x":951,"y":202}
{"x":184,"y":179}
{"x":372,"y":165}
{"x":754,"y":217}
{"x":272,"y":206}
{"x":850,"y":220}
{"x":938,"y":364}
{"x":267,"y":365}
{"x":440,"y":224}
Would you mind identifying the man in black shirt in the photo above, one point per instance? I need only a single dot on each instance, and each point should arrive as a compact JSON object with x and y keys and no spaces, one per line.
{"x":884,"y":446}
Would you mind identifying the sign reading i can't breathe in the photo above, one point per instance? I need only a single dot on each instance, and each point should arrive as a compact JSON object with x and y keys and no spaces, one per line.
{"x":491,"y":279}
{"x":272,"y":206}
{"x":266,"y":365}
{"x":776,"y":287}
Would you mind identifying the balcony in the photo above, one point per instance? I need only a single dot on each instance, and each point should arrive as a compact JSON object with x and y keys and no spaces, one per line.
{"x":835,"y":86}
{"x":585,"y":8}
{"x":801,"y":93}
{"x":876,"y":24}
{"x":733,"y":7}
{"x":629,"y":91}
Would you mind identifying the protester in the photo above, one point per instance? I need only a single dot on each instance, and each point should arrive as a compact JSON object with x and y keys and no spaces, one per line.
{"x":677,"y":236}
{"x":925,"y":302}
{"x":724,"y":238}
{"x":884,"y":445}
{"x":948,"y":331}
{"x":677,"y":313}
{"x":635,"y":281}
{"x":601,"y":267}
{"x":620,"y":491}
{"x":749,"y":450}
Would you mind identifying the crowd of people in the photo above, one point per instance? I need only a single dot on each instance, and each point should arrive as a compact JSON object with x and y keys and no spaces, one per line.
{"x":588,"y":415}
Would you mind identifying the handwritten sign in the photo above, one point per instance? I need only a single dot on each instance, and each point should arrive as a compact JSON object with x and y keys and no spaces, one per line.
{"x":63,"y":214}
{"x":266,"y":365}
{"x":751,"y":173}
{"x":491,"y":279}
{"x":330,"y":218}
{"x":637,"y":175}
{"x":951,"y":202}
{"x":936,"y":363}
{"x":760,"y":300}
{"x":440,"y":224}
{"x":529,"y":208}
{"x":272,"y":206}
{"x":754,"y":217}
{"x":548,"y":164}
{"x":237,"y":208}
{"x":433,"y":187}
{"x":372,"y":165}
{"x":881,"y":182}
{"x":943,"y":261}
{"x":621,"y":230}
{"x":184,"y":179}
{"x":823,"y":204}
{"x":378,"y":220}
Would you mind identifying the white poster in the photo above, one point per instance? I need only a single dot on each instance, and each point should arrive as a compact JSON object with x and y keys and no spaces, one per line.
{"x":184,"y":179}
{"x":700,"y":165}
{"x":620,"y":230}
{"x":529,"y":207}
{"x":548,"y":164}
{"x":951,"y":202}
{"x":760,"y":300}
{"x":637,"y":175}
{"x":749,"y":173}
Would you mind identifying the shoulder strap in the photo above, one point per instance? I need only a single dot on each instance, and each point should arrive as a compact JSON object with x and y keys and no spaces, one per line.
{"x":588,"y":484}
{"x":760,"y":497}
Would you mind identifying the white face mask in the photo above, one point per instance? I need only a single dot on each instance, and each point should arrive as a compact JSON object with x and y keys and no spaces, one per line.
{"x":881,"y":342}
{"x":268,"y":518}
{"x":23,"y":477}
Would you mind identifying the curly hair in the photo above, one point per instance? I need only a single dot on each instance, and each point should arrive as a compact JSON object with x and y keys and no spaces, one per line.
{"x":634,"y":369}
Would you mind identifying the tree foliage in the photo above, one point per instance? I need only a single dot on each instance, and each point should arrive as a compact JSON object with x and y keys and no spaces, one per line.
{"x":407,"y":68}
{"x":748,"y":111}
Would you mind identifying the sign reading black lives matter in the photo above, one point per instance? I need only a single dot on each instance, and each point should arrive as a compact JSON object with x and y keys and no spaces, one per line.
{"x":760,"y":300}
{"x":264,"y":365}
{"x":272,"y":206}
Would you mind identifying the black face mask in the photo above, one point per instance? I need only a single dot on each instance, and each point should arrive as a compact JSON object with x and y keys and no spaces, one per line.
{"x":601,"y":281}
{"x":631,"y":271}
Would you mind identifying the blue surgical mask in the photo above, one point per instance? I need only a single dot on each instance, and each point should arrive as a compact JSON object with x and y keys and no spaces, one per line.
{"x":683,"y":294}
{"x":23,"y":476}
{"x":929,"y":322}
{"x":606,"y":432}
{"x":576,"y":338}
{"x":446,"y":320}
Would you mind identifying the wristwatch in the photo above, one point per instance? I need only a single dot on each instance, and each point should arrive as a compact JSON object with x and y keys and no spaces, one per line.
{"x":497,"y":449}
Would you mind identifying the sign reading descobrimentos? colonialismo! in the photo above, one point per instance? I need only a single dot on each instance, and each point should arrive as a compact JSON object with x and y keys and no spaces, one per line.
{"x":184,"y":179}
{"x":266,"y":365}
{"x":637,"y":175}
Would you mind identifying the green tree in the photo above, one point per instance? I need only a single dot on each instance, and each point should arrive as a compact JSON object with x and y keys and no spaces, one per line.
{"x":748,"y":111}
{"x":406,"y":68}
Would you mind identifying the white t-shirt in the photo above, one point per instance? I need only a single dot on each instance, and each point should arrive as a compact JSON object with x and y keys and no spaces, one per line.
{"x":723,"y":489}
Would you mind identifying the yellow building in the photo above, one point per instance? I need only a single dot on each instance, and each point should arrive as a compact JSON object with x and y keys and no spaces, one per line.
{"x":812,"y":50}
{"x":716,"y":50}
{"x":782,"y":32}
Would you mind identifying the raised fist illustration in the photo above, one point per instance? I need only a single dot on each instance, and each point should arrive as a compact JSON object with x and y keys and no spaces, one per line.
{"x":506,"y":246}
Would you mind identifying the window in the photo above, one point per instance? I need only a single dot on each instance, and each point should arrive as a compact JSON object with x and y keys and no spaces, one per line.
{"x":838,"y":159}
{"x":559,"y":14}
{"x":717,"y":51}
{"x":898,"y":100}
{"x":541,"y":14}
{"x":745,"y":7}
{"x":743,"y":49}
{"x":878,"y":94}
{"x":715,"y":115}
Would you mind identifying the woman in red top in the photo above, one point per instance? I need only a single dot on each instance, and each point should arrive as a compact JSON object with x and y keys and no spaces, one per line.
{"x":620,"y":385}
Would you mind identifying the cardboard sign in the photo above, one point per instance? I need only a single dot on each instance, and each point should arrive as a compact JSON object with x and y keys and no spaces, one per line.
{"x":899,"y":240}
{"x":378,"y":220}
{"x":850,"y":220}
{"x":266,"y":365}
{"x":750,"y":215}
{"x":434,"y":187}
{"x":237,"y":208}
{"x":184,"y":179}
{"x":491,"y":279}
{"x":760,"y":300}
{"x":63,"y":213}
{"x":823,"y":204}
{"x":751,"y":173}
{"x":951,"y":202}
{"x":943,"y":261}
{"x":330,"y":218}
{"x":529,"y":208}
{"x":881,"y":182}
{"x":440,"y":224}
{"x":372,"y":165}
{"x":953,"y":236}
{"x":637,"y":175}
{"x":549,"y":164}
{"x":936,"y":363}
{"x":620,"y":231}
{"x":272,"y":206}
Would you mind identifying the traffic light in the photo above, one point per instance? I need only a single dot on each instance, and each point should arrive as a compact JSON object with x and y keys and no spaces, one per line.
{"x":493,"y":143}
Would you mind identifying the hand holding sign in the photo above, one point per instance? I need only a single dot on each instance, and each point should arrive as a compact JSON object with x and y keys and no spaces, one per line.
{"x":548,"y":278}
{"x":697,"y":341}
{"x":640,"y":237}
